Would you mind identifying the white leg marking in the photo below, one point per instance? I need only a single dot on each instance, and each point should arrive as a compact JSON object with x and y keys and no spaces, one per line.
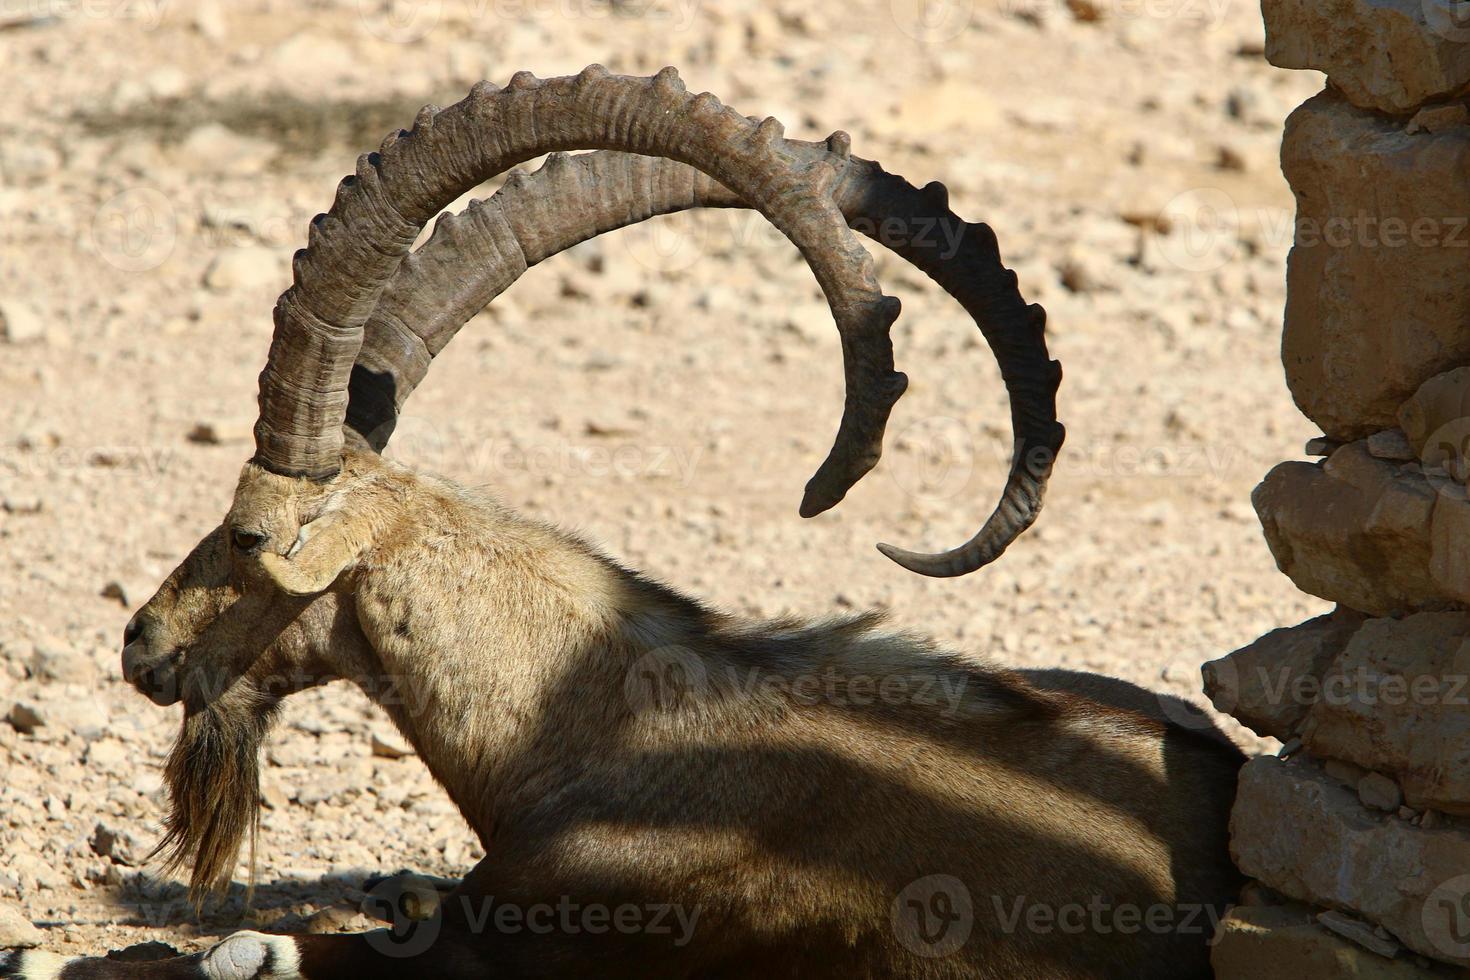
{"x":252,"y":956}
{"x":32,"y":964}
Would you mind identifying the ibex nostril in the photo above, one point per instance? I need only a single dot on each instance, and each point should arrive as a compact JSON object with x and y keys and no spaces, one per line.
{"x":132,"y":632}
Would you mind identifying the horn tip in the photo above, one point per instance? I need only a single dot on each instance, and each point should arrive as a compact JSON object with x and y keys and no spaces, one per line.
{"x":934,"y":566}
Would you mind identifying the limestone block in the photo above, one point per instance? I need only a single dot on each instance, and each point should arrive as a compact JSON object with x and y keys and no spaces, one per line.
{"x":1398,"y":702}
{"x":1270,"y":684}
{"x":1378,"y":300}
{"x":1388,"y":55}
{"x":1302,"y":833}
{"x":1355,"y":530}
{"x":1436,"y":420}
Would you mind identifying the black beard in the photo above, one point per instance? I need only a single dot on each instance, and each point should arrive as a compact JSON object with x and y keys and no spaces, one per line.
{"x":213,"y":778}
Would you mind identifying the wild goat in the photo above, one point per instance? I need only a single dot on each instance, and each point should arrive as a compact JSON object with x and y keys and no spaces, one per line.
{"x":661,"y":790}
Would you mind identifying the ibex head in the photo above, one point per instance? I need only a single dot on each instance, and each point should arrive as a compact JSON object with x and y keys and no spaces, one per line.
{"x":357,"y":329}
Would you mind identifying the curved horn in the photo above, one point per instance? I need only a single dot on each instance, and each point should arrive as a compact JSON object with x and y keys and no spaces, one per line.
{"x":470,"y":259}
{"x":354,"y":249}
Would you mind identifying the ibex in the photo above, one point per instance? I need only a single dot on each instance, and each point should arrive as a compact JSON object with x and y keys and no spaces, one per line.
{"x":810,"y":800}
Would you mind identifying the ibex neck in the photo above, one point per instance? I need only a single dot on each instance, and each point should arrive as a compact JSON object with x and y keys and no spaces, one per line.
{"x":509,"y":688}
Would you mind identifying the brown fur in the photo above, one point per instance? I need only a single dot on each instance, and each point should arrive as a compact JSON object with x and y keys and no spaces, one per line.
{"x":772,"y":789}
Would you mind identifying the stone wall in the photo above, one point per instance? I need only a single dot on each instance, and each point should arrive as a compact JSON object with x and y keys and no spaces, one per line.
{"x":1357,"y":835}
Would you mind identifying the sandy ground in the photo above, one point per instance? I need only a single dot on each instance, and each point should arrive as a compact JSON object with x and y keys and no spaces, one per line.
{"x":666,"y":389}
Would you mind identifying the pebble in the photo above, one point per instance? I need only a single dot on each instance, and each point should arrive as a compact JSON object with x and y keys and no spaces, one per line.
{"x":121,"y":845}
{"x":107,"y":755}
{"x":214,"y":149}
{"x":16,"y":931}
{"x":388,"y":747}
{"x":25,"y":718}
{"x":1378,"y":792}
{"x":55,"y":661}
{"x":244,"y":267}
{"x":20,"y":323}
{"x":1391,"y":444}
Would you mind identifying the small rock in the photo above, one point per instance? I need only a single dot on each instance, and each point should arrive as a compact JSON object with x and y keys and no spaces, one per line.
{"x":16,"y":931}
{"x":1359,"y":932}
{"x":273,"y":796}
{"x":107,"y":755}
{"x":245,"y":267}
{"x":1431,"y":819}
{"x":1378,"y":792}
{"x":386,"y":747}
{"x":1407,"y":813}
{"x":54,"y":661}
{"x":1241,"y":102}
{"x":215,"y":149}
{"x":25,"y":504}
{"x":121,"y":846}
{"x":25,"y":718}
{"x":1320,"y":446}
{"x":1437,"y":119}
{"x":114,"y":590}
{"x":1391,"y":444}
{"x":20,"y":323}
{"x":1080,"y":273}
{"x":218,"y":432}
{"x":167,"y":82}
{"x":1229,"y":158}
{"x":1085,"y":11}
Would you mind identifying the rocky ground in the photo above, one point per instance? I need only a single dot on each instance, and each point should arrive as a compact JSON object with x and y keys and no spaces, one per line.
{"x":666,"y":389}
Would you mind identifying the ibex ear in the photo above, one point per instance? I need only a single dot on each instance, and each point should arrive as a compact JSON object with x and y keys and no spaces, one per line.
{"x":326,"y":548}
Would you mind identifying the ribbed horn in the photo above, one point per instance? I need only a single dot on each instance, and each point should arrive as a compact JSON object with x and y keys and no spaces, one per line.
{"x":471,"y":258}
{"x":355,"y":249}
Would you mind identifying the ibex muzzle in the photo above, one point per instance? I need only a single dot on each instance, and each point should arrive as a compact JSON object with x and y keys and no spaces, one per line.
{"x":802,"y":799}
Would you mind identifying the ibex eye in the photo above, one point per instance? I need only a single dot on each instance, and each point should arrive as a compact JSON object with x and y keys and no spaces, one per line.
{"x":245,"y":540}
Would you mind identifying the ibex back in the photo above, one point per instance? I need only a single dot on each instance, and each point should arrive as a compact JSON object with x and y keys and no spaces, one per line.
{"x":661,"y":790}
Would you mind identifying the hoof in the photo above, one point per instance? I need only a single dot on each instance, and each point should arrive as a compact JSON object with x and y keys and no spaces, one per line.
{"x":252,"y":956}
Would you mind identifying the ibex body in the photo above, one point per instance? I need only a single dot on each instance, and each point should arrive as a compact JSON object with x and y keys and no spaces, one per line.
{"x":661,"y":790}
